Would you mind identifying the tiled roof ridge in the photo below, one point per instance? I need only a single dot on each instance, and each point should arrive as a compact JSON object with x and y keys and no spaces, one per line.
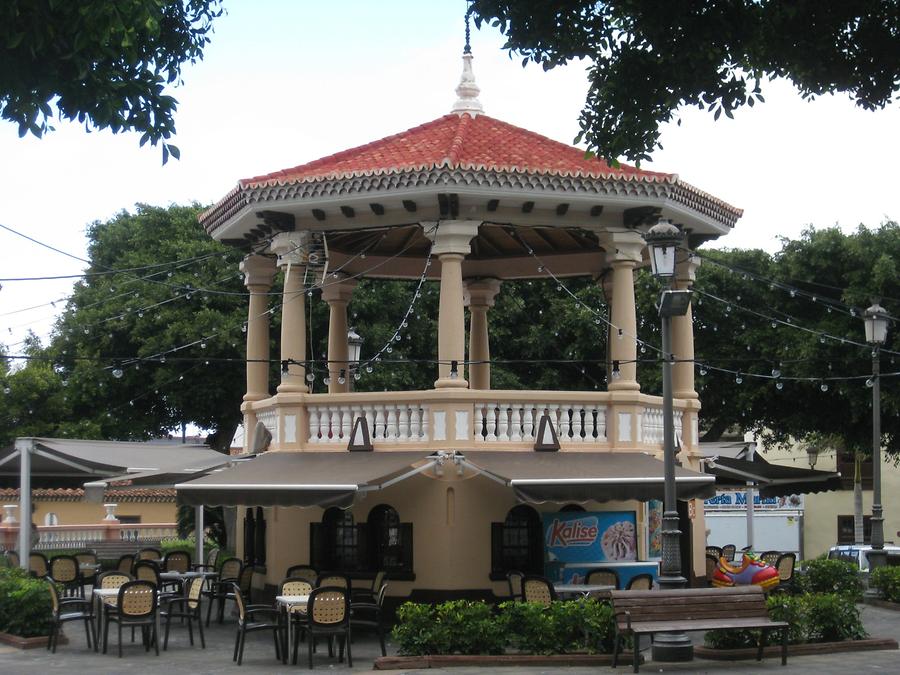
{"x":74,"y":494}
{"x":459,"y":137}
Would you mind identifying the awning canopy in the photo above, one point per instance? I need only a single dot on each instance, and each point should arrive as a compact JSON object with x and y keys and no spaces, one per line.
{"x":85,"y":459}
{"x":772,"y":480}
{"x":164,"y":477}
{"x":302,"y":478}
{"x":539,"y":477}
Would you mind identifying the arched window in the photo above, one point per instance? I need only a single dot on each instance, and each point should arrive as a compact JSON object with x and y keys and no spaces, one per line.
{"x":516,"y":543}
{"x":51,"y":519}
{"x":338,"y":547}
{"x":390,"y":541}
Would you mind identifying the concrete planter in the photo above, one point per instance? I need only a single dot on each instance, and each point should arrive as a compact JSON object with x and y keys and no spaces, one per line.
{"x":490,"y":661}
{"x":20,"y":642}
{"x":774,"y":651}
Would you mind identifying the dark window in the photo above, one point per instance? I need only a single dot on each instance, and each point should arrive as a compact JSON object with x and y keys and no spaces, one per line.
{"x":255,"y":536}
{"x":572,"y":508}
{"x":380,"y":543}
{"x":516,"y":543}
{"x":390,"y":541}
{"x":129,"y":520}
{"x":845,"y":530}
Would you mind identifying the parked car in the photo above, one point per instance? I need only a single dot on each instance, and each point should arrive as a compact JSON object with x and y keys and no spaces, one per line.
{"x":858,"y":554}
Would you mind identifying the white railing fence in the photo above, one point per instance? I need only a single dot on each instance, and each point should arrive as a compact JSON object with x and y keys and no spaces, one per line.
{"x":502,"y":421}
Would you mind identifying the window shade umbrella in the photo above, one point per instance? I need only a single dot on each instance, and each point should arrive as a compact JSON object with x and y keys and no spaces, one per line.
{"x":772,"y":480}
{"x":584,"y":476}
{"x":303,"y":478}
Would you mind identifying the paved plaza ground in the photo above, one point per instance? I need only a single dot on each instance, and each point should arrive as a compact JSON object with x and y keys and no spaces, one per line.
{"x":259,"y":657}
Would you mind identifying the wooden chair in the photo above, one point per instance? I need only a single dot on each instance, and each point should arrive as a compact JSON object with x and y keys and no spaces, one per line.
{"x":248,"y":622}
{"x":229,"y":575}
{"x":187,"y":607}
{"x":302,"y":572}
{"x":135,"y":606}
{"x":38,"y":565}
{"x":69,"y":609}
{"x":88,"y":575}
{"x":368,"y":594}
{"x":714,"y":550}
{"x":147,"y":570}
{"x":125,"y":564}
{"x":603,"y":577}
{"x":112,"y":579}
{"x":369,"y":615}
{"x":514,"y":581}
{"x":728,"y":551}
{"x":212,"y":559}
{"x":640,"y":582}
{"x":538,"y":589}
{"x":333,"y":579}
{"x":328,"y":613}
{"x":64,"y":571}
{"x":149,"y":553}
{"x":785,"y":567}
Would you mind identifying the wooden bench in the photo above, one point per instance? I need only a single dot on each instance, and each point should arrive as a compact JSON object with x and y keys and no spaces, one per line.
{"x":690,"y":609}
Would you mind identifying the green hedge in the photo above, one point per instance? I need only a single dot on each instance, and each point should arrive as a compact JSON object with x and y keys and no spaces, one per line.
{"x":186,"y":545}
{"x":25,"y":605}
{"x":467,"y":627}
{"x":831,"y":576}
{"x":813,"y":617}
{"x":887,"y":581}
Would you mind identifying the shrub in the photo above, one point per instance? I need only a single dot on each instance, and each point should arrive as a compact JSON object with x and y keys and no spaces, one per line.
{"x":25,"y":606}
{"x":832,"y":576}
{"x":418,"y":632}
{"x":470,"y":627}
{"x":832,"y":617}
{"x":793,"y":609}
{"x":529,"y":627}
{"x":186,"y":545}
{"x":887,"y":581}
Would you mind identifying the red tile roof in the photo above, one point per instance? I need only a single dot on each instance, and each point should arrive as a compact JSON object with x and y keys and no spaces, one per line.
{"x":459,"y":141}
{"x":76,"y":494}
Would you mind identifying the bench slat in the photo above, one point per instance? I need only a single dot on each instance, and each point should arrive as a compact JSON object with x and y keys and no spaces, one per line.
{"x":663,"y":626}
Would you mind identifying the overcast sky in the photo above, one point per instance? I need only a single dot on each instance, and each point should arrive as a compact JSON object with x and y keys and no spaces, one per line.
{"x":284,"y":83}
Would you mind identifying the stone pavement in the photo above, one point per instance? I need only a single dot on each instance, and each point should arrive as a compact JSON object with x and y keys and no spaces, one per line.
{"x":259,"y":657}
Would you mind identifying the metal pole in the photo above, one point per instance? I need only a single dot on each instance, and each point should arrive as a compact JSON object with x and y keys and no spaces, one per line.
{"x":198,"y":535}
{"x":675,"y":646}
{"x":877,"y":556}
{"x":750,"y":502}
{"x":24,"y":445}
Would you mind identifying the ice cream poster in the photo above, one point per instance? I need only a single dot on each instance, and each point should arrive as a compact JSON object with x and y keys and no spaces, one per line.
{"x":603,"y":536}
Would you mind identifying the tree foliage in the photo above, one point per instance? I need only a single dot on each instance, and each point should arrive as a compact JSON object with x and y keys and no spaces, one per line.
{"x":649,"y":58}
{"x":104,"y":64}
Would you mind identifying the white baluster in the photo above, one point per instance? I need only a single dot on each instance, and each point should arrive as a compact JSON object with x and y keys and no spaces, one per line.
{"x":313,"y":424}
{"x":346,"y":422}
{"x":516,"y":422}
{"x":565,"y":423}
{"x":528,"y":421}
{"x":404,"y":422}
{"x":370,"y":420}
{"x":502,"y":422}
{"x":426,"y":424}
{"x":577,"y":423}
{"x":390,"y":433}
{"x":491,"y":423}
{"x":479,"y":421}
{"x":415,"y":423}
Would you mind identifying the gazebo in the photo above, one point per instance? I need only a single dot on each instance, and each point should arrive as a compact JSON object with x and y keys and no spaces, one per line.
{"x":472,"y":202}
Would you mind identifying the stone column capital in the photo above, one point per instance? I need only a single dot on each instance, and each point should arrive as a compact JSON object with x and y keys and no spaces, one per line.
{"x":259,"y":271}
{"x":623,"y":247}
{"x":338,"y":289}
{"x":290,"y":247}
{"x":480,"y":293}
{"x":686,"y":271}
{"x":451,"y":236}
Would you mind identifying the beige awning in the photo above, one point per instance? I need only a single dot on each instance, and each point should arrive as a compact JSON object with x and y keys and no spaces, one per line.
{"x":302,"y":478}
{"x":561,"y":477}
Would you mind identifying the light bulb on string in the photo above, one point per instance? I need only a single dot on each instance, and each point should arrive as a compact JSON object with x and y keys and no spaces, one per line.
{"x":870,"y":383}
{"x":117,"y":373}
{"x":310,"y":377}
{"x":326,"y":380}
{"x":738,"y":379}
{"x":779,"y":386}
{"x":823,"y":386}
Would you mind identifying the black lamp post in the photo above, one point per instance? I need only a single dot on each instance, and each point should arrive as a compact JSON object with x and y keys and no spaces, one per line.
{"x":876,"y":320}
{"x":663,"y":239}
{"x":354,"y":348}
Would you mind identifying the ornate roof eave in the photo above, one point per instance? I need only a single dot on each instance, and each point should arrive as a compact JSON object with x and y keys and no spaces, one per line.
{"x":245,"y":200}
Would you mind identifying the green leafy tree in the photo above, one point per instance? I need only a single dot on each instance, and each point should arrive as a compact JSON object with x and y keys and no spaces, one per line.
{"x":156,"y":282}
{"x":647,"y":58}
{"x":104,"y":64}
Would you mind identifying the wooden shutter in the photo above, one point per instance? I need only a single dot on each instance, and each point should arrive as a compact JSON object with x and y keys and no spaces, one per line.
{"x":260,"y":539}
{"x":249,"y":538}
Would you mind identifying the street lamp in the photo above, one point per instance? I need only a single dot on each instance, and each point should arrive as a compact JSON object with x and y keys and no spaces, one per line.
{"x":354,"y":348}
{"x":663,"y":239}
{"x":876,"y":320}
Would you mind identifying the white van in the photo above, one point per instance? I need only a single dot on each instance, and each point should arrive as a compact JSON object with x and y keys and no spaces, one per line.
{"x":858,"y":554}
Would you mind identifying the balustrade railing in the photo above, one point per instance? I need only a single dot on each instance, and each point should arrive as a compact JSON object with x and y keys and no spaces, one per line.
{"x":52,"y":537}
{"x":652,"y":425}
{"x":387,"y":422}
{"x":512,"y":421}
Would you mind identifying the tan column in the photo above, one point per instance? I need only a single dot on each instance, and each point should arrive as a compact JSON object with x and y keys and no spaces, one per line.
{"x":337,"y":293}
{"x":623,"y":252}
{"x":479,"y":297}
{"x":258,"y":272}
{"x":451,"y":244}
{"x":683,"y":335}
{"x":290,"y":247}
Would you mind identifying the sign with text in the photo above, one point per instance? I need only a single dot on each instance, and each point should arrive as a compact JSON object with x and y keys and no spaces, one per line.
{"x":581,"y":536}
{"x":738,"y":500}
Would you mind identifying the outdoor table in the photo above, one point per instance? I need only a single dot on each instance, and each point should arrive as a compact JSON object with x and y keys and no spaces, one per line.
{"x":287,"y":603}
{"x":582,"y":589}
{"x":100,"y":594}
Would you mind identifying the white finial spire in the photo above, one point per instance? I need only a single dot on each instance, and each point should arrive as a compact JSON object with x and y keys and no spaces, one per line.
{"x":467,"y":90}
